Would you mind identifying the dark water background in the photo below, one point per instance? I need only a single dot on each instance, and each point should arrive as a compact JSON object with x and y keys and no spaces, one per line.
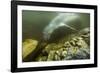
{"x":33,"y":22}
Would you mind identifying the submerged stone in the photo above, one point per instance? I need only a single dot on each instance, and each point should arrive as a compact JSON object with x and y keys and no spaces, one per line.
{"x":28,"y":46}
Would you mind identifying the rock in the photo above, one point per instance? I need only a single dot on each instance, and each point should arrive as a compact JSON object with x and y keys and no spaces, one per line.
{"x":56,"y":57}
{"x":81,"y":53}
{"x":64,"y":54}
{"x":67,"y":44}
{"x":58,"y":53}
{"x":85,"y":34}
{"x":68,"y":48}
{"x":28,"y":46}
{"x":51,"y":56}
{"x":77,"y":48}
{"x":49,"y":47}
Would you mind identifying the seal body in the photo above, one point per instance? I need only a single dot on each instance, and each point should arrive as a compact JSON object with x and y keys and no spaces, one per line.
{"x":62,"y":23}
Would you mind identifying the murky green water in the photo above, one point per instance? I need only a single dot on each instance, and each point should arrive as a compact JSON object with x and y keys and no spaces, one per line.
{"x":34,"y":22}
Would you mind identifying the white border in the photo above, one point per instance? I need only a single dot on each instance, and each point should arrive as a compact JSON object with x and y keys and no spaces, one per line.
{"x":53,"y":63}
